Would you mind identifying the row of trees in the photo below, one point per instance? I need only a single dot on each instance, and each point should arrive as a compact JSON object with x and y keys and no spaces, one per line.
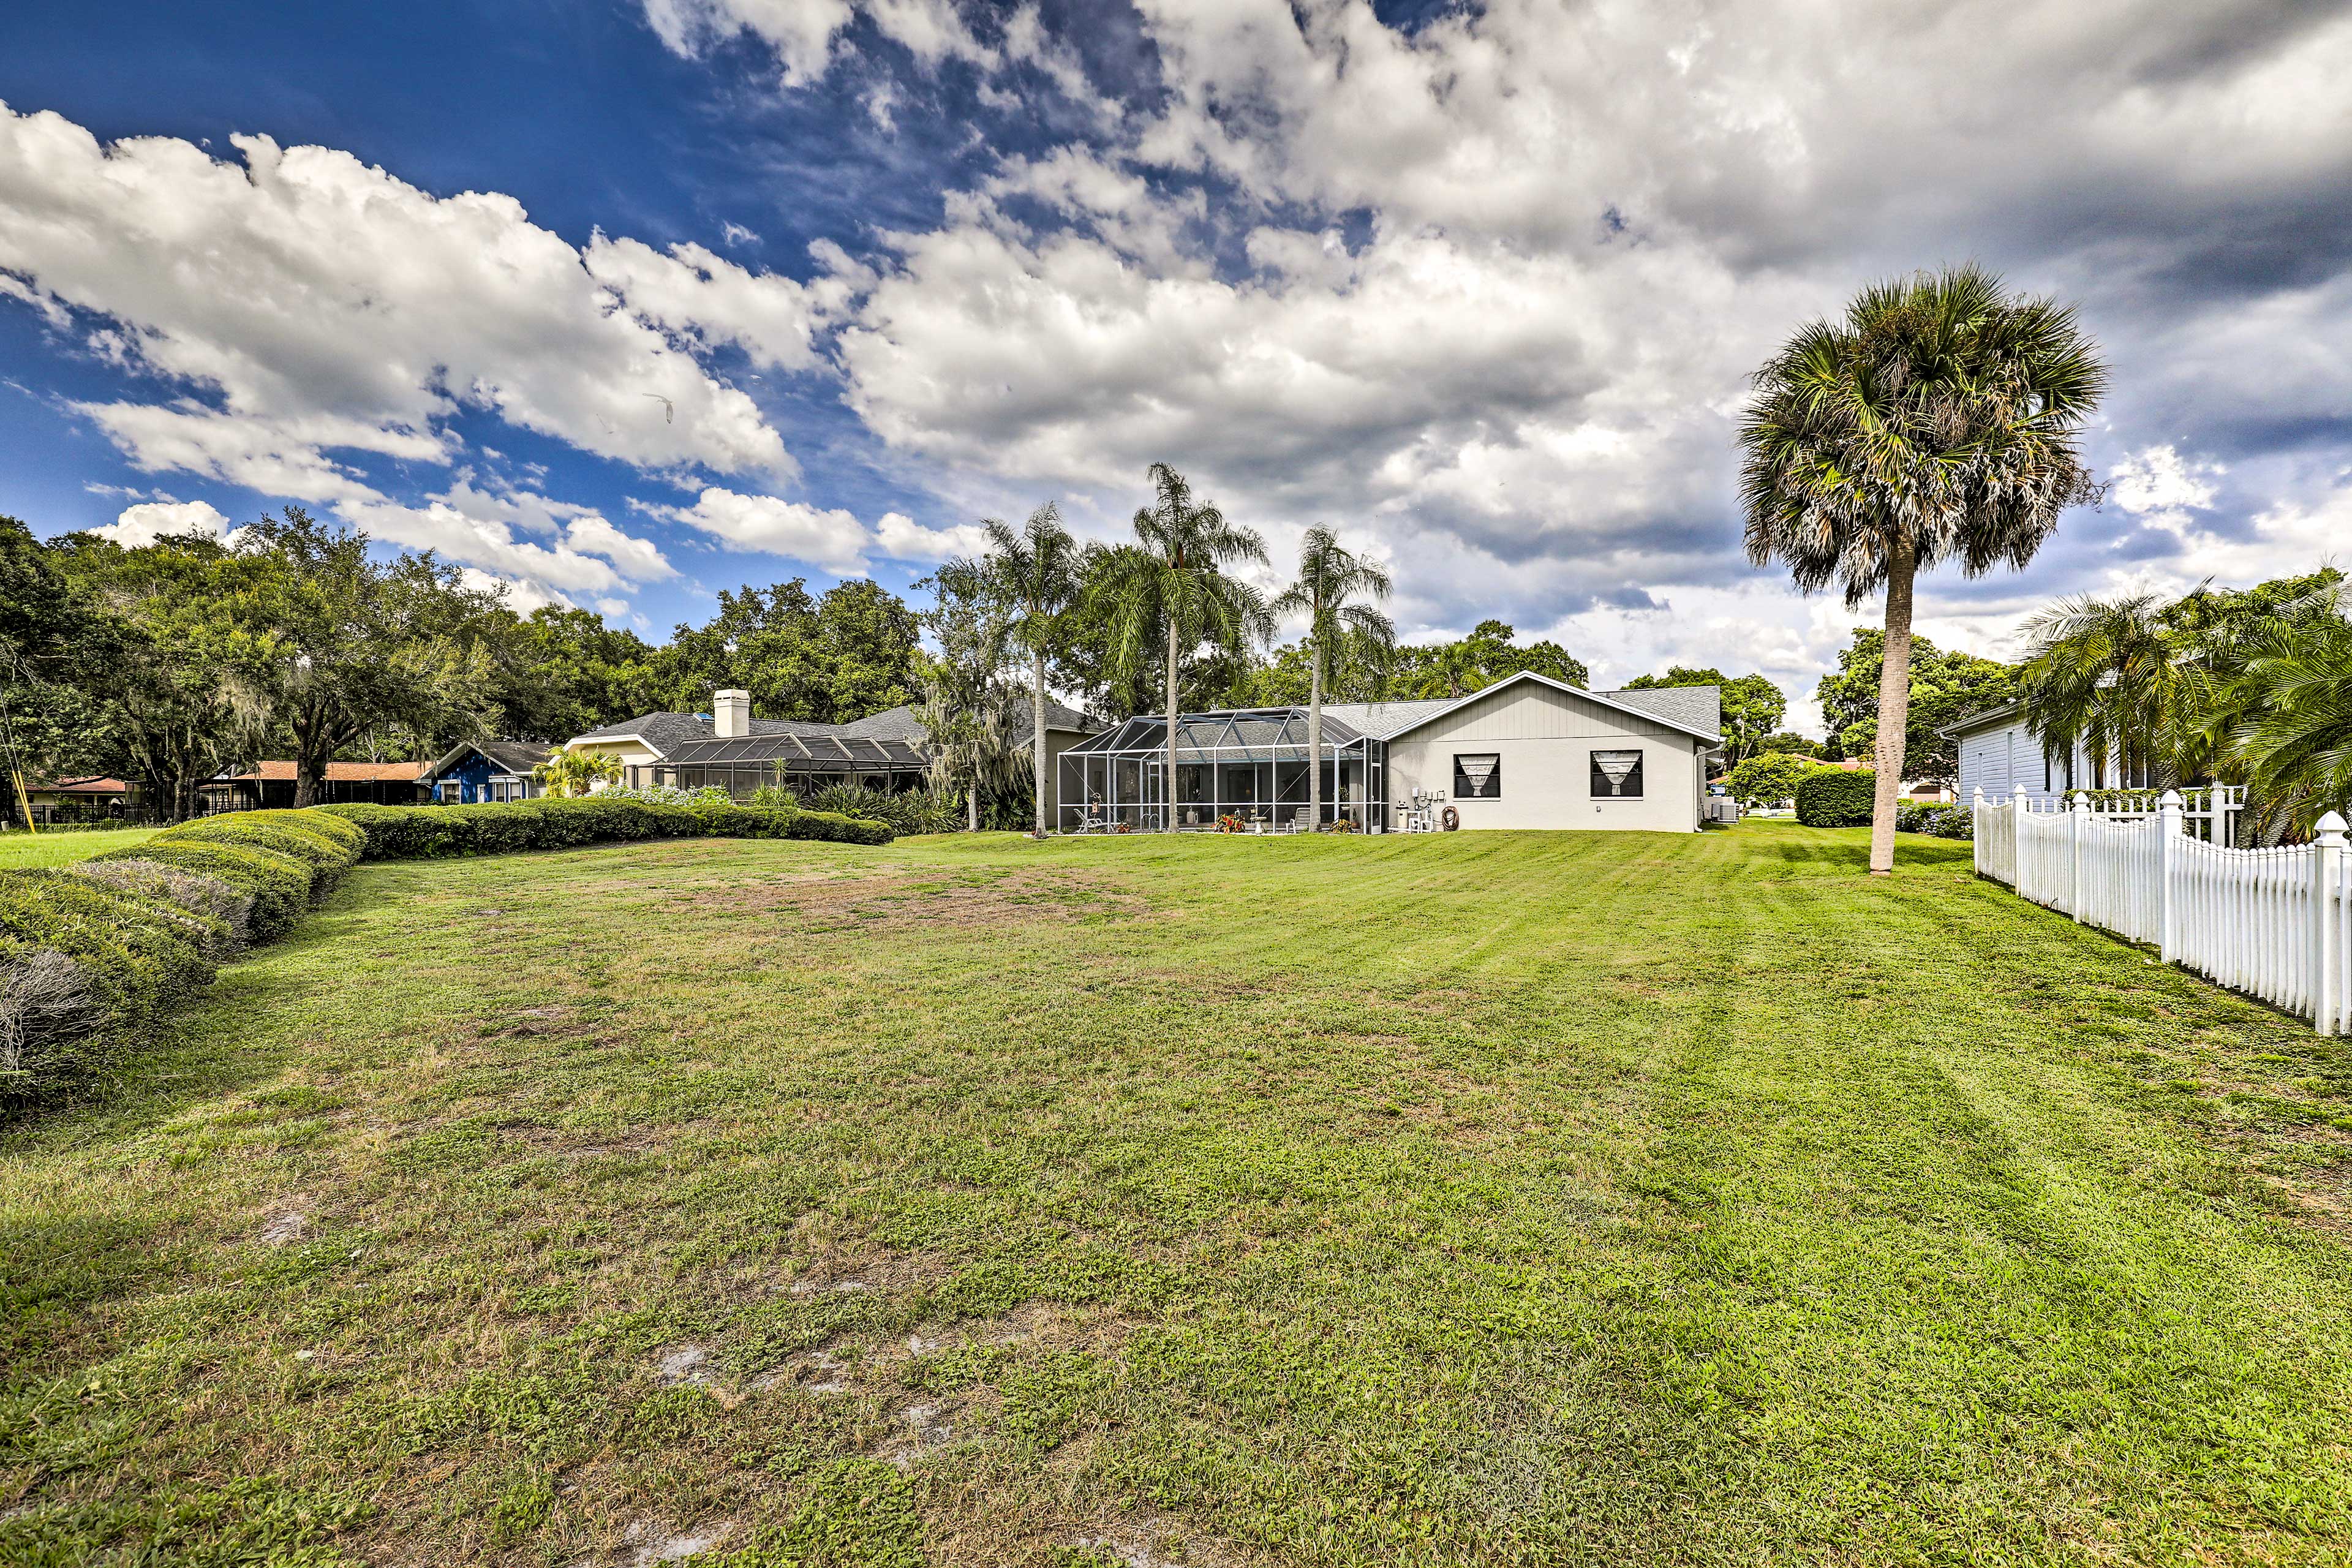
{"x":174,"y":661}
{"x":2247,"y":685}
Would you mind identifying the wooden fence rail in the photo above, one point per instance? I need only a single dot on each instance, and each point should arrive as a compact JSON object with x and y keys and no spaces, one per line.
{"x":2273,"y":923}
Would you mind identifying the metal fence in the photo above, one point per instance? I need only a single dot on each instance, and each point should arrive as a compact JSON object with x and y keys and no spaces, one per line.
{"x":2274,"y":923}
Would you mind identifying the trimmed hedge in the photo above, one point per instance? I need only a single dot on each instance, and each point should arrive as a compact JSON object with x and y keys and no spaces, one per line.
{"x":82,"y":968}
{"x":407,"y":831}
{"x":327,"y":854}
{"x":279,"y":884}
{"x":1832,"y":797}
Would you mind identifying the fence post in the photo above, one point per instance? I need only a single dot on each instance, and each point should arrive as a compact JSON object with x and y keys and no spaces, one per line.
{"x":1977,"y":828}
{"x":2168,"y":829}
{"x":2326,"y":973}
{"x":2079,"y":809}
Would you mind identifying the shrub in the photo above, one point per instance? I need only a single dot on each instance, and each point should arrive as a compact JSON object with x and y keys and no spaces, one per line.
{"x":395,"y":832}
{"x":1768,"y":778}
{"x":1934,"y":818}
{"x":278,"y":884}
{"x":327,"y":854}
{"x":127,"y":956}
{"x":1832,"y":797}
{"x":932,"y":810}
{"x":835,"y":829}
{"x":208,"y":898}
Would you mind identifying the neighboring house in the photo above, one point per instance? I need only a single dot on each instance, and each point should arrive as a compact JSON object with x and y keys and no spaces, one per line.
{"x":1997,"y":754}
{"x":70,"y":800}
{"x":1532,"y":751}
{"x":1527,"y":751}
{"x":728,"y":748}
{"x":271,"y":785}
{"x":486,"y":771}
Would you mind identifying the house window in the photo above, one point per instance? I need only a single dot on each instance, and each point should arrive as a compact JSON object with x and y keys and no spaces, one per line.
{"x":1616,"y":775}
{"x":1478,"y":776}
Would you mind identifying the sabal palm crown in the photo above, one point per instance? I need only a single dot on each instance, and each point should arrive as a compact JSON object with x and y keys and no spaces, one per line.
{"x":1174,"y":580}
{"x":1331,"y":579}
{"x":1035,"y":573}
{"x":1936,"y":423}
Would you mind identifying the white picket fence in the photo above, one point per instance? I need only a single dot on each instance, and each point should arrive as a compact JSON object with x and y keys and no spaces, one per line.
{"x":2273,"y":923}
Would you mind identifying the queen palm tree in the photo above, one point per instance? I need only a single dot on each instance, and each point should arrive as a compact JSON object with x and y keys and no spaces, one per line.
{"x":2114,"y":678}
{"x":1329,"y":577}
{"x":1034,"y":573}
{"x":2291,"y":738}
{"x":577,"y":772}
{"x":1936,"y":422}
{"x":1173,"y":579}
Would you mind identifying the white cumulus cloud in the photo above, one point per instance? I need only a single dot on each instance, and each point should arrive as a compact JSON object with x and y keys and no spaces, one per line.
{"x":151,"y":520}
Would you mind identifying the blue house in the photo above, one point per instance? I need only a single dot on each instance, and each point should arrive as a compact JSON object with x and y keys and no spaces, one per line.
{"x":483,"y":771}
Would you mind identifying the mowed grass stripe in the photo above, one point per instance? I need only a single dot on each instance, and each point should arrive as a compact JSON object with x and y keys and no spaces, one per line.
{"x":1513,"y":1198}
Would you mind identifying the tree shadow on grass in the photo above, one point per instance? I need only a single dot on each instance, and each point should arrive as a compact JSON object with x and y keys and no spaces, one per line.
{"x":1850,"y":851}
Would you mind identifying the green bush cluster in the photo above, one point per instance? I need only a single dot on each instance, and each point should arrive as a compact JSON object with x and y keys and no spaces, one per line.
{"x":932,"y":810}
{"x":406,"y":832}
{"x":1934,"y":820}
{"x":92,"y":954}
{"x":1832,"y":797}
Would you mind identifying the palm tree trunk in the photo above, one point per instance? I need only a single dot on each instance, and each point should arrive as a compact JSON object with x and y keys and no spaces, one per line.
{"x":1315,"y":737}
{"x":971,"y":807}
{"x":1168,"y":785}
{"x":1037,"y":711}
{"x":1893,"y":707}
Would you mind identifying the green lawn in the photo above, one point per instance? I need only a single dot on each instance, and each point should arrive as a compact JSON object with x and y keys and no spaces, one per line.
{"x":63,"y":847}
{"x":1490,"y":1198}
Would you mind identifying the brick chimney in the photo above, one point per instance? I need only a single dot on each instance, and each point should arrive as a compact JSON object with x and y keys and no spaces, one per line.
{"x":731,"y":715}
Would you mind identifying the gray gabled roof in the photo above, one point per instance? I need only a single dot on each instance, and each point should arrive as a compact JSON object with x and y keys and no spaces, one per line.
{"x":664,"y":732}
{"x":1382,"y":720}
{"x":903,"y":724}
{"x":1680,"y":711}
{"x":1698,"y":708}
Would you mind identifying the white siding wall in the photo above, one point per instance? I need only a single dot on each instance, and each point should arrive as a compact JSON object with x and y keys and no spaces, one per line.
{"x":1998,"y":758}
{"x":1545,"y":740}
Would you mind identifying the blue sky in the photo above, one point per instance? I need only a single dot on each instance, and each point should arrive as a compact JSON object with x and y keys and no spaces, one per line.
{"x":622,"y":302}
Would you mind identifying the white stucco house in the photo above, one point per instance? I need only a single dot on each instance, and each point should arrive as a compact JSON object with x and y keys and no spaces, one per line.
{"x":1527,"y":751}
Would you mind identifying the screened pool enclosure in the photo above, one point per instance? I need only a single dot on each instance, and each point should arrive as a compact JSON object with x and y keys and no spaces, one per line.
{"x":743,"y":764}
{"x":1247,"y":764}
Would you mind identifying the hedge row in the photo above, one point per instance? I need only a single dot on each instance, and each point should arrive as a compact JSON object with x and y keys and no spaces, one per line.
{"x":1832,"y":797}
{"x":92,"y":955}
{"x":407,"y":831}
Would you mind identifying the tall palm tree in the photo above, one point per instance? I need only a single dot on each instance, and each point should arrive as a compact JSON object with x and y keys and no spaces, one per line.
{"x":1174,"y":580}
{"x":1936,"y":422}
{"x":1329,"y":577}
{"x":1034,"y":573}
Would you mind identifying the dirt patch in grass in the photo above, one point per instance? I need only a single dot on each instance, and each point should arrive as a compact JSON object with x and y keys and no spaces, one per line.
{"x":896,"y":901}
{"x":882,"y":1272}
